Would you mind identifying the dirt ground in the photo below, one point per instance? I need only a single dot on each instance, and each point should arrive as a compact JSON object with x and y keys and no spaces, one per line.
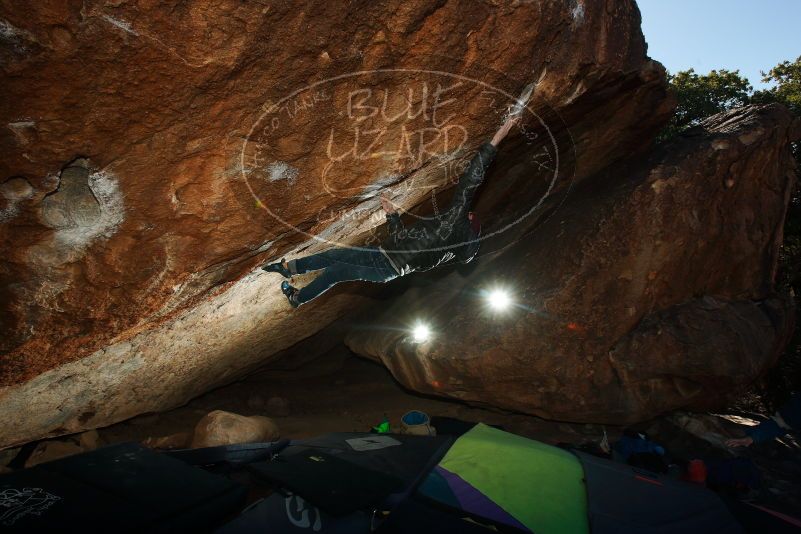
{"x":336,"y":393}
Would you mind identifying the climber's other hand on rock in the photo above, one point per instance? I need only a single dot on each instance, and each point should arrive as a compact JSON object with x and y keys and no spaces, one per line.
{"x":387,"y":205}
{"x":739,"y":442}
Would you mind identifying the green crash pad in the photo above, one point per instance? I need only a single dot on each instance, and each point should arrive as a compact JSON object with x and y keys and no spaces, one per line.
{"x":539,"y":485}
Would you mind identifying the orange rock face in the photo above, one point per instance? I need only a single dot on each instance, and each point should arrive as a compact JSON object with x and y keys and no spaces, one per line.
{"x":649,"y":289}
{"x":153,"y":158}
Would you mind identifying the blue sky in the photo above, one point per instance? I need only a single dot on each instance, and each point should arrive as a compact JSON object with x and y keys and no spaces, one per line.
{"x":749,"y":35}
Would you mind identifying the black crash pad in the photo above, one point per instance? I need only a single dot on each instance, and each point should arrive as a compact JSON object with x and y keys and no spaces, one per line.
{"x":119,"y":488}
{"x":344,"y":472}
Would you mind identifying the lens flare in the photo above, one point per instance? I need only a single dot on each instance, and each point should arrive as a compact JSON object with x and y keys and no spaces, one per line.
{"x":421,"y":333}
{"x":499,"y":299}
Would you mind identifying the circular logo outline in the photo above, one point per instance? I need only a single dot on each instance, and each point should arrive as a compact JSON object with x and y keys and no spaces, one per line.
{"x":277,"y":105}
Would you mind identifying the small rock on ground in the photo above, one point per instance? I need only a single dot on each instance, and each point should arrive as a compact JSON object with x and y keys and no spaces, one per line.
{"x":226,"y":428}
{"x":89,"y":440}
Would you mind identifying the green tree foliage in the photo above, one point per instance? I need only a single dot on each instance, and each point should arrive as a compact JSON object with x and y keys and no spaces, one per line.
{"x":703,"y":95}
{"x":786,"y":78}
{"x":787,"y":88}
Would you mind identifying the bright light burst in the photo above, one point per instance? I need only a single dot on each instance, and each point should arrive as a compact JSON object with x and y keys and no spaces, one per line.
{"x":421,"y":333}
{"x":499,"y":299}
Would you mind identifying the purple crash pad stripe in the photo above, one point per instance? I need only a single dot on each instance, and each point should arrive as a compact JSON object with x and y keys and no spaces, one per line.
{"x":475,"y":502}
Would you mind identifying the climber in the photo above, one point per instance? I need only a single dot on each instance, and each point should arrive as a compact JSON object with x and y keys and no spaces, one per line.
{"x":451,"y":236}
{"x":787,"y":419}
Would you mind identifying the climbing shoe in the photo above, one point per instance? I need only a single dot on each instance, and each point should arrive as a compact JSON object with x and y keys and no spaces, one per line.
{"x":291,"y":293}
{"x":278,"y":268}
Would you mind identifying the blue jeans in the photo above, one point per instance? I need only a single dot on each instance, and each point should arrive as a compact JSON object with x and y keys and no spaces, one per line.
{"x":341,"y":265}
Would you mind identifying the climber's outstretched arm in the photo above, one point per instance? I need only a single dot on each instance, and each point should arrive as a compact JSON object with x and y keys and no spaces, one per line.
{"x":505,"y":129}
{"x":472,"y":177}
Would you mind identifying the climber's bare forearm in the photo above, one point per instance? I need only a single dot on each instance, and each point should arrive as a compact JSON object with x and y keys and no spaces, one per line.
{"x":504,"y":130}
{"x":387,"y":205}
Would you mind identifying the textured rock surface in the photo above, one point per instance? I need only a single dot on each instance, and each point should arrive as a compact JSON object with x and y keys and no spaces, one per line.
{"x":129,"y":233}
{"x":225,"y":428}
{"x":650,"y":289}
{"x":47,"y":451}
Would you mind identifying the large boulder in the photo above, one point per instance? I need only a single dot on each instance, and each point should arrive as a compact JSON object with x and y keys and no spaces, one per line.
{"x":153,"y":158}
{"x":650,"y":288}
